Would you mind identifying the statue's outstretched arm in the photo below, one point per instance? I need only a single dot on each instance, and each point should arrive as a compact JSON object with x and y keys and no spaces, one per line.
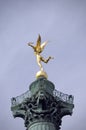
{"x":30,"y":44}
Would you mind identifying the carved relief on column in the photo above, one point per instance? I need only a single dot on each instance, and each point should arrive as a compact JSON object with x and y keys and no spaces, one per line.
{"x":42,"y":105}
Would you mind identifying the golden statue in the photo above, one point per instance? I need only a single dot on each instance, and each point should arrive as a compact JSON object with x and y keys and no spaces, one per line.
{"x":37,"y":50}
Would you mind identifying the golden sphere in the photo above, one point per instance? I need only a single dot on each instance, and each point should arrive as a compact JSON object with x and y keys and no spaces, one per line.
{"x":41,"y":74}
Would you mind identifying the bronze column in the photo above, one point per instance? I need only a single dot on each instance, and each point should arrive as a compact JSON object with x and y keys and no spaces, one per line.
{"x":42,"y":107}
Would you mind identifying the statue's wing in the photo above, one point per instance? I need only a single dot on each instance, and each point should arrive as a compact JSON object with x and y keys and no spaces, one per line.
{"x":38,"y":43}
{"x":43,"y":45}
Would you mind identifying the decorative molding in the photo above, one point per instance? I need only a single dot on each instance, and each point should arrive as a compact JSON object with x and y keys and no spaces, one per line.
{"x":42,"y":103}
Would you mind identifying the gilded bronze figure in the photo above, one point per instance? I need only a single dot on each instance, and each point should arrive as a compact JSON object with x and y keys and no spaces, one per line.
{"x":38,"y":49}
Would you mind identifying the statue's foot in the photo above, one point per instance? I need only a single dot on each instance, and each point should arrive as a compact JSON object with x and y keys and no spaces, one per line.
{"x":51,"y":57}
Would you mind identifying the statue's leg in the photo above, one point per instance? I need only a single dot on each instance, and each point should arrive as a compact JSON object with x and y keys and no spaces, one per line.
{"x":46,"y":60}
{"x":40,"y":65}
{"x":39,"y":62}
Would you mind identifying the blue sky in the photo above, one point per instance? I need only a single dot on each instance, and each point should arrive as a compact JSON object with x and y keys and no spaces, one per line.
{"x":63,"y":24}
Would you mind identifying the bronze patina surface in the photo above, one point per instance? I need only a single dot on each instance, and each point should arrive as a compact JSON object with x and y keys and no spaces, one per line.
{"x":42,"y":107}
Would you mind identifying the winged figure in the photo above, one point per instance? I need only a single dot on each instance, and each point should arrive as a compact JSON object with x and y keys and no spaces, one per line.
{"x":38,"y":48}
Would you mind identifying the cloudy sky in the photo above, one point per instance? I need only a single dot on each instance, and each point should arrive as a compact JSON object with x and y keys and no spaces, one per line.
{"x":63,"y":23}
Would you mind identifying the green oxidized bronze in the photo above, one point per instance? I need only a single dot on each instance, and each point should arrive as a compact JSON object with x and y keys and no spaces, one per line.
{"x":42,"y":103}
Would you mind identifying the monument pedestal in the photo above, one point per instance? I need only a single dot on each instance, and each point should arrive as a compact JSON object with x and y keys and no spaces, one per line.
{"x":42,"y":107}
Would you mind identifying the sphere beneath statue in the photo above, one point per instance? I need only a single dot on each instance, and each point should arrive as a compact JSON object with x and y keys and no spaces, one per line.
{"x":41,"y":74}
